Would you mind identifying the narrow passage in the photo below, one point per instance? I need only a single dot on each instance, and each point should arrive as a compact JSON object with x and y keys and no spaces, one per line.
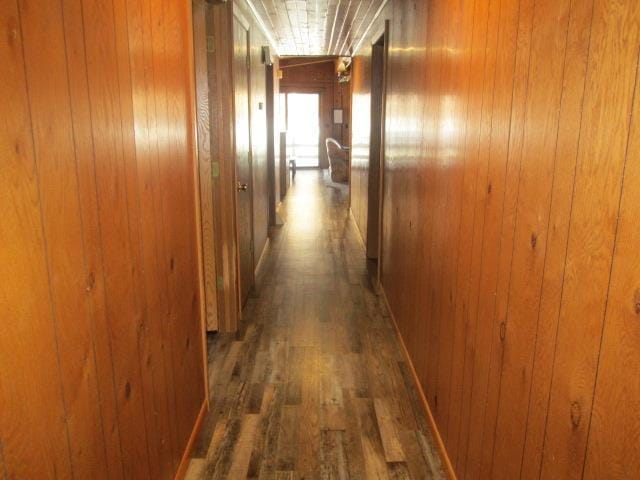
{"x":315,"y":385}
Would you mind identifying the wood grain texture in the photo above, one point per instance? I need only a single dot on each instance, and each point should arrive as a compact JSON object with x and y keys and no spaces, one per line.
{"x":243,"y":158}
{"x":273,"y":142}
{"x":259,"y":132}
{"x":614,"y":427}
{"x":205,"y":163}
{"x":246,"y":121}
{"x":360,"y":142}
{"x":506,"y":244}
{"x":28,"y":450}
{"x":219,"y":21}
{"x":99,"y":241}
{"x":62,"y":226}
{"x":602,"y":153}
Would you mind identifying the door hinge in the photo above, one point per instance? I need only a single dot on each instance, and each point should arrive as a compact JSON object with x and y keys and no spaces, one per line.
{"x":210,"y":44}
{"x":215,"y":169}
{"x":220,"y":282}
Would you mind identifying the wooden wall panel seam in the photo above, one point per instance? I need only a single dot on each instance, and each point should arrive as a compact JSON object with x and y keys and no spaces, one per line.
{"x":619,"y":396}
{"x":469,"y":152}
{"x":500,"y":311}
{"x":96,"y":279}
{"x":89,"y":276}
{"x":168,"y":360}
{"x":573,"y":377}
{"x":462,"y":142}
{"x":498,"y":147}
{"x":538,"y":448}
{"x":530,"y":296}
{"x":136,"y":241}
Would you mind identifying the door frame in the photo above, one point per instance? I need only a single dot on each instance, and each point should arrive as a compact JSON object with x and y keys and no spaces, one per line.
{"x":382,"y":34}
{"x":237,"y":15}
{"x":273,"y":157}
{"x":321,"y":92}
{"x":196,"y":29}
{"x":207,"y":229}
{"x":307,"y":91}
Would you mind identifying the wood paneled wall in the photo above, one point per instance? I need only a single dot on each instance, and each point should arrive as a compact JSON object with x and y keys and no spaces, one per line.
{"x":367,"y":142}
{"x":101,"y":366}
{"x":207,"y":166}
{"x":509,"y":254}
{"x":320,"y":78}
{"x":360,"y":140}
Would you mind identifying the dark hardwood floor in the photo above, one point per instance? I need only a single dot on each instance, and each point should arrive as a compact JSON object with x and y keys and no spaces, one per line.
{"x":315,"y":385}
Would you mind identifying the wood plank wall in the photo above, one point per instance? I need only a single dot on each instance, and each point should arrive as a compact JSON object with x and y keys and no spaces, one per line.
{"x":360,"y":140}
{"x":101,"y":366}
{"x":219,"y":19}
{"x":509,"y":254}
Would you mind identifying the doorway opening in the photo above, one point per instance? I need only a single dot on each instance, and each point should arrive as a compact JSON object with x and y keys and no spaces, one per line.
{"x":376,"y":156}
{"x":302,"y":112}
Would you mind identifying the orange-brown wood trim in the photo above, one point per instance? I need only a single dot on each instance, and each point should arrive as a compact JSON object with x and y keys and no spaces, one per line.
{"x":353,"y":219}
{"x":448,"y":466}
{"x":261,"y":260}
{"x":186,"y":456}
{"x":193,"y":122}
{"x":385,"y":59}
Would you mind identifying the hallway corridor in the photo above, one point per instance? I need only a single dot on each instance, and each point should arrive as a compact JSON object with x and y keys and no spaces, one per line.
{"x":314,"y":385}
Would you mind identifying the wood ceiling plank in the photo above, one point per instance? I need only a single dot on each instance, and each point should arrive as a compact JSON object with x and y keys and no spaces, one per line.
{"x":351,"y":12}
{"x":316,"y":27}
{"x":355,"y":27}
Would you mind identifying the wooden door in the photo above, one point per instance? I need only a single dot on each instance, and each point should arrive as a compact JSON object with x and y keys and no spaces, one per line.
{"x":244,"y":207}
{"x":375,"y":144}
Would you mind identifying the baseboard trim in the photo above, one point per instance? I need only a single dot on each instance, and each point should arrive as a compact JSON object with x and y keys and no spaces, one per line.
{"x":448,"y":466}
{"x":186,"y":456}
{"x":360,"y":236}
{"x":261,"y":260}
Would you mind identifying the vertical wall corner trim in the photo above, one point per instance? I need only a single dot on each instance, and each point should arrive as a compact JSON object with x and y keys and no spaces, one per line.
{"x":186,"y":456}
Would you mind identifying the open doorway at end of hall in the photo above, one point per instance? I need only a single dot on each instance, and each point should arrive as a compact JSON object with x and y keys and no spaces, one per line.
{"x":300,"y":115}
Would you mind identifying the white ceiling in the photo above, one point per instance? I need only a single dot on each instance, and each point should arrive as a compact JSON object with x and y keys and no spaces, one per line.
{"x":316,"y":27}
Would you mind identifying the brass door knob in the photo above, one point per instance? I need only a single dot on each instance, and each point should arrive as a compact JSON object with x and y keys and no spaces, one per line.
{"x":242,"y":187}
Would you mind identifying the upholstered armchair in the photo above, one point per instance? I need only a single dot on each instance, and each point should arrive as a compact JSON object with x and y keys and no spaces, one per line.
{"x":338,"y":161}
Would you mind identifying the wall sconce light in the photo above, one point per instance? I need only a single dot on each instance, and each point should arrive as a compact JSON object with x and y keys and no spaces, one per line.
{"x":343,"y":68}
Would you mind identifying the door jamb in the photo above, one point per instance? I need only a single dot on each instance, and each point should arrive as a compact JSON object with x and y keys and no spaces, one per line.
{"x":384,"y":34}
{"x":247,"y":27}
